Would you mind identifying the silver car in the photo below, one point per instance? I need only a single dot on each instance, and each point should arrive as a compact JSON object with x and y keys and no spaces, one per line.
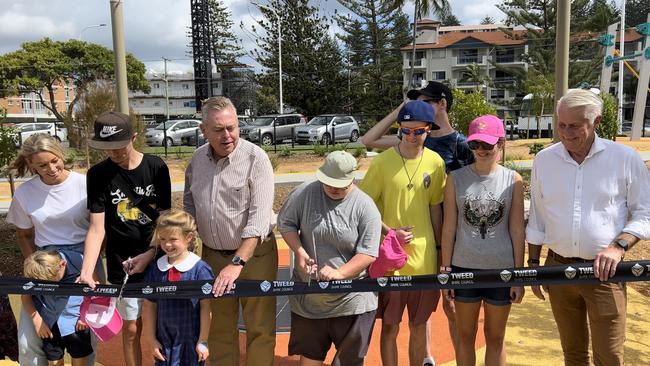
{"x":325,"y":128}
{"x":271,"y":128}
{"x":171,"y":132}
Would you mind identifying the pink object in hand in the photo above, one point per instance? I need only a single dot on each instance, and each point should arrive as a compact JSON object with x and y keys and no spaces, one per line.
{"x":101,"y":315}
{"x":391,"y":256}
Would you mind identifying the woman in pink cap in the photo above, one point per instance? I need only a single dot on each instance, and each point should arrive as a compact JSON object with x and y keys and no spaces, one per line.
{"x":483,"y":228}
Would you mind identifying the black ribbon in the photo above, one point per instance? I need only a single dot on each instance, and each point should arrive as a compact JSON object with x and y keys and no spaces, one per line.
{"x":578,"y":273}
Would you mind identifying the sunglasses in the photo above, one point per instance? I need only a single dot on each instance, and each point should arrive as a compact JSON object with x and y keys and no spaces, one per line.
{"x":474,"y":145}
{"x":417,"y":130}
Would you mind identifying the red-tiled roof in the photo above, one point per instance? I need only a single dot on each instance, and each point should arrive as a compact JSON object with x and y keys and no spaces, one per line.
{"x":498,"y":38}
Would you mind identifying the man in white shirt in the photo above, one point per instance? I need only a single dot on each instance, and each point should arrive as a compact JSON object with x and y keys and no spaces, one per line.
{"x":589,"y":203}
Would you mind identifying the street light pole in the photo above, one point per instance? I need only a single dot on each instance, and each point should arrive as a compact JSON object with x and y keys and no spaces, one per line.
{"x":166,"y":89}
{"x":90,"y":26}
{"x":279,"y":49}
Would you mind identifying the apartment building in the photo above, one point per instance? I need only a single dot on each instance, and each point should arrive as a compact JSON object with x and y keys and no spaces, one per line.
{"x":444,"y":54}
{"x":180,"y":94}
{"x":27,"y":107}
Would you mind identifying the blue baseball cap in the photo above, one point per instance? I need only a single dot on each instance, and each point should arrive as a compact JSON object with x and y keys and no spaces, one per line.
{"x":419,"y":111}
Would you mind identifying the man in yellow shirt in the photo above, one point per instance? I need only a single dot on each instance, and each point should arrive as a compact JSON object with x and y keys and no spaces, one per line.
{"x":407,"y":184}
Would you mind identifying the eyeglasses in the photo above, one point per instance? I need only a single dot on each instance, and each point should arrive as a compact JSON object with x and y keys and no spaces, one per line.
{"x":417,"y":130}
{"x":474,"y":145}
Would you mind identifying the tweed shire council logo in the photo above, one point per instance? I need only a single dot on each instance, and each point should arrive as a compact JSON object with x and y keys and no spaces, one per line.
{"x":382,"y":281}
{"x":637,"y":270}
{"x":506,"y":275}
{"x":323,"y":284}
{"x":265,"y":286}
{"x":28,"y":286}
{"x":443,"y":278}
{"x":570,"y":272}
{"x":147,"y":290}
{"x":206,"y":288}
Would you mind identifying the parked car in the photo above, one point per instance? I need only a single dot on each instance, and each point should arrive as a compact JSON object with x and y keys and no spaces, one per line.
{"x":174,"y":129}
{"x":190,"y":140}
{"x":53,"y":129}
{"x":627,"y":128}
{"x":325,"y":127}
{"x":271,"y":128}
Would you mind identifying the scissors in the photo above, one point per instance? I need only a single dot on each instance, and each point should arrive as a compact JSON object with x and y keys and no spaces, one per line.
{"x":129,"y":267}
{"x":313,"y":242}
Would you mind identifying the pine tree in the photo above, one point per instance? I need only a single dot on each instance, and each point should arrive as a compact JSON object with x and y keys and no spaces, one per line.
{"x":449,"y":19}
{"x":226,"y":47}
{"x":487,"y":20}
{"x":312,"y":65}
{"x":372,"y":41}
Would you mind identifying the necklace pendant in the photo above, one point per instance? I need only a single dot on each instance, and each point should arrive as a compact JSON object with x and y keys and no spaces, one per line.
{"x":409,"y":186}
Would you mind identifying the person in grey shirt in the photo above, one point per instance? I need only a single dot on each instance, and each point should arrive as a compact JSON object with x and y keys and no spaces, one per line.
{"x":334,"y":230}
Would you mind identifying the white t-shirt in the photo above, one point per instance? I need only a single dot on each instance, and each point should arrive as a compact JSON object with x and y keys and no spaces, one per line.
{"x":58,"y":213}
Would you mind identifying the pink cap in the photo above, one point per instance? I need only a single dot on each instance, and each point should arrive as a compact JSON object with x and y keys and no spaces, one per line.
{"x":101,"y":316}
{"x":486,"y":128}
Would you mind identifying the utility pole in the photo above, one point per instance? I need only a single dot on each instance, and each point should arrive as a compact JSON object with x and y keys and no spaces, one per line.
{"x":621,"y":69}
{"x":166,"y":89}
{"x":561,"y":57}
{"x":117,"y":23}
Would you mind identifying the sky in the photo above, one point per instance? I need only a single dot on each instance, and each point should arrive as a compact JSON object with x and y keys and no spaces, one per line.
{"x":157,"y":28}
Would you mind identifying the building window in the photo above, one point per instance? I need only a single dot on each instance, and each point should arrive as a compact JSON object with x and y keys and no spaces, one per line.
{"x":171,"y":103}
{"x":468,"y":56}
{"x":156,"y":104}
{"x":10,"y":102}
{"x":498,"y":94}
{"x":186,"y":104}
{"x":27,"y":105}
{"x":501,"y":76}
{"x":418,"y":78}
{"x":505,"y":56}
{"x":186,"y":86}
{"x":156,"y":85}
{"x":438,"y":53}
{"x":438,"y":75}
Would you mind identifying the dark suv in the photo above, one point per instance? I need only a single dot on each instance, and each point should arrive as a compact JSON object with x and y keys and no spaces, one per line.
{"x":273,"y":127}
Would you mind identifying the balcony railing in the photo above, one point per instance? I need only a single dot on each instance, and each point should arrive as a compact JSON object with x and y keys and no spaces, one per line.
{"x":468,"y":60}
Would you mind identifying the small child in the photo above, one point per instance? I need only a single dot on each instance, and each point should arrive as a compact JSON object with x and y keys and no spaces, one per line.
{"x":56,"y":318}
{"x":179,"y":327}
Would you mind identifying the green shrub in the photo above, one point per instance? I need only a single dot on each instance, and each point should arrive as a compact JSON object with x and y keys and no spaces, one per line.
{"x":608,"y":127}
{"x":338,"y":147}
{"x":533,"y":149}
{"x":286,"y":151}
{"x":179,"y":153}
{"x":467,"y":107}
{"x":359,"y":152}
{"x":320,"y":150}
{"x":275,"y":162}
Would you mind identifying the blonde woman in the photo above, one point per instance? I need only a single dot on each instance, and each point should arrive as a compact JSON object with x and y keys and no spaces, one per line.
{"x":49,"y":212}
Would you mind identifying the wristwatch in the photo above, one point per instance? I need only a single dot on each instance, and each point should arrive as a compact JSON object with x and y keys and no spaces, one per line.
{"x":236,"y":260}
{"x":622,"y":243}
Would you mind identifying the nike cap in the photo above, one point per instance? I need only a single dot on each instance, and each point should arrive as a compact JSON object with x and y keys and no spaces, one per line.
{"x":113,"y":130}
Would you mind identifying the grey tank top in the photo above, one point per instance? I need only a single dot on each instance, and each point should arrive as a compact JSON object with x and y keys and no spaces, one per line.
{"x":482,"y":235}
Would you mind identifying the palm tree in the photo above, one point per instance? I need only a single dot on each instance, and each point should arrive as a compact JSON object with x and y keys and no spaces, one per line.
{"x":422,"y":7}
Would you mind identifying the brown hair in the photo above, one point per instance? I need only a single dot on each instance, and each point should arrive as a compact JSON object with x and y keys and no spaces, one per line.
{"x":177,"y":220}
{"x":35,"y":144}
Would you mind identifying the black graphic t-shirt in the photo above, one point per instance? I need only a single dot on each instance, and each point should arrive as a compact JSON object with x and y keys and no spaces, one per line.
{"x":128,"y":228}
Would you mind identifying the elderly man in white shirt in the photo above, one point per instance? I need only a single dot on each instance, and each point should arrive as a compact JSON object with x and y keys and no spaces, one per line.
{"x":589,"y":203}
